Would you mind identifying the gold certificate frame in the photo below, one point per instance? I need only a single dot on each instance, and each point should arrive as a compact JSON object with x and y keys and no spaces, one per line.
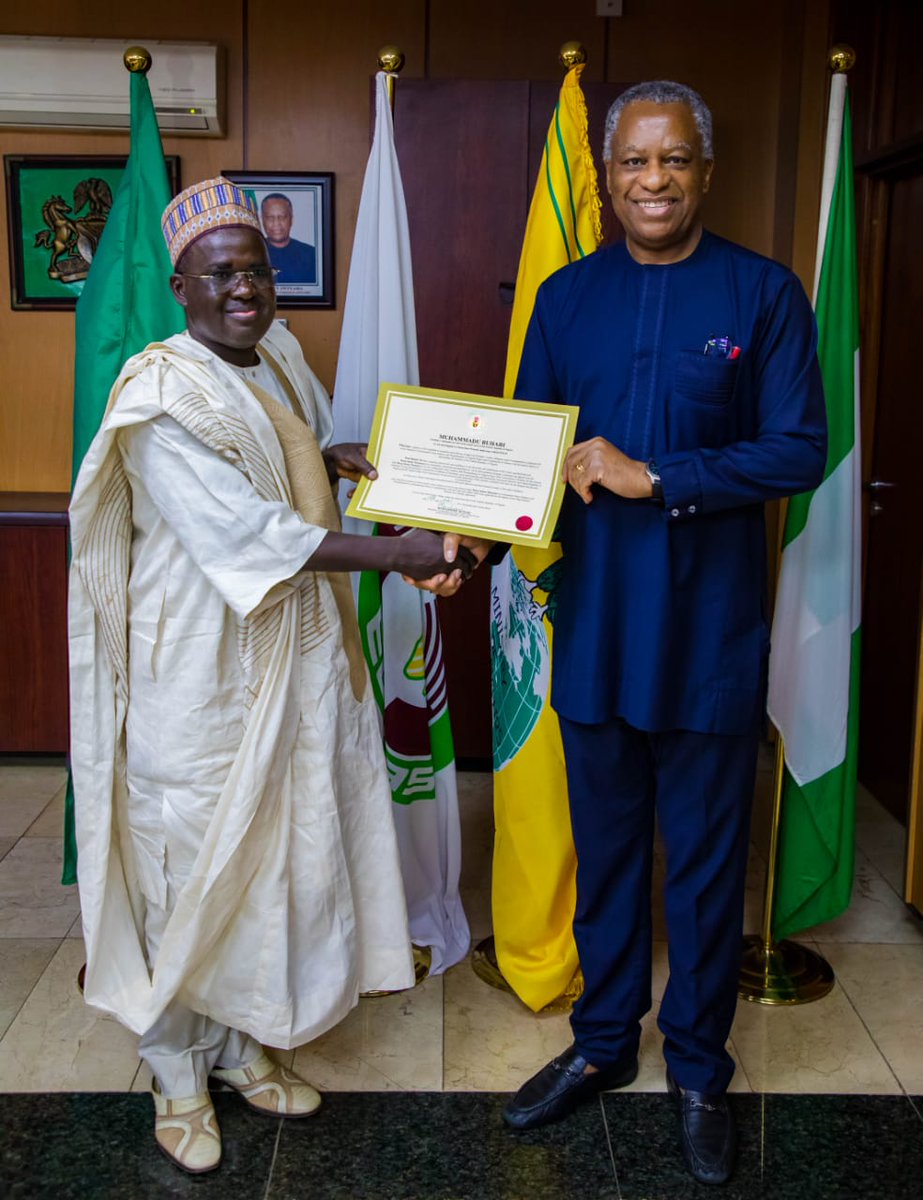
{"x":469,"y":464}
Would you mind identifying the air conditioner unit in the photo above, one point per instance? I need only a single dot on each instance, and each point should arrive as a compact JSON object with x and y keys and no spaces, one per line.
{"x":82,"y":83}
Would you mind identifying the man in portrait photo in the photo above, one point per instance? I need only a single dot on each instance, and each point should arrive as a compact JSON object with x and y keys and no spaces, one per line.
{"x":295,"y":261}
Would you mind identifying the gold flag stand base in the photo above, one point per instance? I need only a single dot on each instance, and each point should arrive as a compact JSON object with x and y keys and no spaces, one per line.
{"x":422,"y":961}
{"x":485,"y":966}
{"x":782,"y":973}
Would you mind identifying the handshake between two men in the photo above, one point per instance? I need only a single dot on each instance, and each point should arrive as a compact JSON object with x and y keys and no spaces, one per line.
{"x":441,"y":563}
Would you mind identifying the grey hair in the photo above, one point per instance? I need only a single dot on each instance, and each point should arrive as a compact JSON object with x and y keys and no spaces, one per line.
{"x":662,"y":91}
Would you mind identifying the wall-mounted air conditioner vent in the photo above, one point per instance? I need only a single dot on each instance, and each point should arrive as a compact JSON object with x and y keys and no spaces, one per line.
{"x":82,"y":83}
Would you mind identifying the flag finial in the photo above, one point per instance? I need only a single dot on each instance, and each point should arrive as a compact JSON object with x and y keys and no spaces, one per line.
{"x":842,"y":58}
{"x":572,"y":53}
{"x":391,"y":59}
{"x":137,"y":58}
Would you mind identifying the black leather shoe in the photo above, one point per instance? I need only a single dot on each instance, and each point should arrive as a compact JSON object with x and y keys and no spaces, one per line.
{"x":560,"y":1086}
{"x":707,"y":1133}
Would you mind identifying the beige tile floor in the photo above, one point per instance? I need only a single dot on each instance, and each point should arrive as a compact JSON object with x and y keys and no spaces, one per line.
{"x":454,"y":1033}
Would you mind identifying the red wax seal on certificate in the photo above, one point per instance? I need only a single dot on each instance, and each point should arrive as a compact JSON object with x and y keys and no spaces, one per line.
{"x":523,"y":523}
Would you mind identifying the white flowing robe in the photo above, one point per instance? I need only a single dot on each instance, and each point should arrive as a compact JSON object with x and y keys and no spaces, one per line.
{"x":232,"y":801}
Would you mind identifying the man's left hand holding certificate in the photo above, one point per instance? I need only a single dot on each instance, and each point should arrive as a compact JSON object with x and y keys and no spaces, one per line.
{"x":486,"y":468}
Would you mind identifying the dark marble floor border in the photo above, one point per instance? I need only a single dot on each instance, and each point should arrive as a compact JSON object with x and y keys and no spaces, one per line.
{"x":453,"y":1146}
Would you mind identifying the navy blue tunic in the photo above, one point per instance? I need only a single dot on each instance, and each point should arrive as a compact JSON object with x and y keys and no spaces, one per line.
{"x":296,"y":261}
{"x":661,"y":615}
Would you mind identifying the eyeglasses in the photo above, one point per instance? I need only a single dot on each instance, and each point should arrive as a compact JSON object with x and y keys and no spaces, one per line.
{"x":223,"y":280}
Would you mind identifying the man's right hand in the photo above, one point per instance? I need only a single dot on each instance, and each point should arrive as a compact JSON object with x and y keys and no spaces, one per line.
{"x":452,"y":544}
{"x":417,"y":555}
{"x":421,"y":556}
{"x":599,"y":462}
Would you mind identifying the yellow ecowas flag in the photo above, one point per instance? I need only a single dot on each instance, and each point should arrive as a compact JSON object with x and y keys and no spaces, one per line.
{"x":534,"y":866}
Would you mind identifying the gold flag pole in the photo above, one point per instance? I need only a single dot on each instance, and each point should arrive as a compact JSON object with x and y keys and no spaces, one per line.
{"x":137,"y":58}
{"x":391,"y":59}
{"x":570,"y":54}
{"x":785,"y":972}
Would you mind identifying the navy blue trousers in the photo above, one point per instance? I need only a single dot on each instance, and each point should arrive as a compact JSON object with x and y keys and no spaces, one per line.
{"x":700,"y":786}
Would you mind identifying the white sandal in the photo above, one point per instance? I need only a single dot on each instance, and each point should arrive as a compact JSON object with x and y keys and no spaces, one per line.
{"x":271,"y":1089}
{"x":187,"y":1131}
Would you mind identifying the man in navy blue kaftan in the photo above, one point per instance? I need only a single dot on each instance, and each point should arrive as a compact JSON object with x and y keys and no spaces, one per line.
{"x":693,"y":363}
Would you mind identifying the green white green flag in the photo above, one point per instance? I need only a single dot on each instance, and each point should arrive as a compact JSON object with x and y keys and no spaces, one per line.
{"x":814,"y":667}
{"x":125,"y":304}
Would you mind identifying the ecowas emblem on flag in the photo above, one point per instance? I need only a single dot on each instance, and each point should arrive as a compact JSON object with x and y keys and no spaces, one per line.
{"x":520,"y":656}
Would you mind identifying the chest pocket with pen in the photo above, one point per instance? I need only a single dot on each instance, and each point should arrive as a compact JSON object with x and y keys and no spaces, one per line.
{"x":701,"y":412}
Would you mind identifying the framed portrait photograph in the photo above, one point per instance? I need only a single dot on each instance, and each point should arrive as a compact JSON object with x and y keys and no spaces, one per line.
{"x":56,"y":212}
{"x":296,"y":213}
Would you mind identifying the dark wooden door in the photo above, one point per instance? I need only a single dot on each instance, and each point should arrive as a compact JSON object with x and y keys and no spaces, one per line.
{"x":463,"y":153}
{"x":895,"y":532}
{"x":887,"y":108}
{"x":469,"y":152}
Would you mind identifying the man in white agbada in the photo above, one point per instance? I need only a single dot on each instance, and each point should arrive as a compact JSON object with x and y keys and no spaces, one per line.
{"x":239,"y":878}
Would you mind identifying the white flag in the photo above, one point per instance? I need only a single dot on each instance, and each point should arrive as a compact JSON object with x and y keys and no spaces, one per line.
{"x":398,"y":623}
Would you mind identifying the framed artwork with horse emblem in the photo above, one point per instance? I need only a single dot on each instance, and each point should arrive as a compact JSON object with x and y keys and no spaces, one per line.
{"x":56,"y":212}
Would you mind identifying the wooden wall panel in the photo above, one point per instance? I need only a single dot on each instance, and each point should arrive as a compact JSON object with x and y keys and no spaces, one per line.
{"x":464,"y":238}
{"x":731,"y":54}
{"x":307,"y":107}
{"x":487,"y":39}
{"x":907,"y":25}
{"x":787,"y":139}
{"x":812,"y":125}
{"x":37,"y":348}
{"x":309,"y":111}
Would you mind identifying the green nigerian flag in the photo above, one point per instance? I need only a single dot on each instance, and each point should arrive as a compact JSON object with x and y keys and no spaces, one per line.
{"x":814,"y":668}
{"x":125,"y":304}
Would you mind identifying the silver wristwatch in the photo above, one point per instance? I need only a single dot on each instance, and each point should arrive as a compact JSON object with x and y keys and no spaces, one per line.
{"x":654,"y":476}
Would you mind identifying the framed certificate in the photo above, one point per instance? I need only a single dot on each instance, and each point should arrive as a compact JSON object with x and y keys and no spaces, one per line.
{"x":466,"y":464}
